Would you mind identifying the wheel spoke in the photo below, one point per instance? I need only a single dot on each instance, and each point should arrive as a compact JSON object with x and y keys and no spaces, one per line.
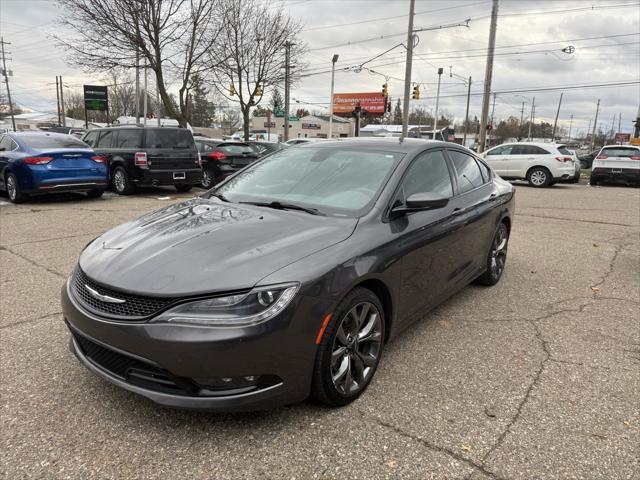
{"x":342,"y":371}
{"x":348,"y":377}
{"x":358,"y":370}
{"x":363,"y":315}
{"x":374,"y":337}
{"x":367,"y":360}
{"x":367,"y":327}
{"x":341,"y":336}
{"x":337,"y":355}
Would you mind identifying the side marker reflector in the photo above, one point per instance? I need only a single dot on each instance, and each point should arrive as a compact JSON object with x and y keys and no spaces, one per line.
{"x":322,"y":329}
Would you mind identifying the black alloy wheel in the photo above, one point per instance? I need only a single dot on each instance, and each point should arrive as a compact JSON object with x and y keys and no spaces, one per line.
{"x":497,"y":257}
{"x":350,"y":349}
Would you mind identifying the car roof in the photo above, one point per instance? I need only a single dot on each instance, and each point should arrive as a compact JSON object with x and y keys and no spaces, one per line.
{"x":622,"y":146}
{"x":389,"y":144}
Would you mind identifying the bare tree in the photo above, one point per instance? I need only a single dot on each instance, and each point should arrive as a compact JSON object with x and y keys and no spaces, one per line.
{"x":172,"y":35}
{"x":249,"y":52}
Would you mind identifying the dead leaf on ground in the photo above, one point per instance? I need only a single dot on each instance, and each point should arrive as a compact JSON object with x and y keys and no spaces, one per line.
{"x":466,"y":448}
{"x":443,"y":323}
{"x":489,"y":412}
{"x":392,"y":463}
{"x":595,"y":289}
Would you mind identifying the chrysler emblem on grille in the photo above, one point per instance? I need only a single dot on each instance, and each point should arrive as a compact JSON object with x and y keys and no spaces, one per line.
{"x":103,"y":298}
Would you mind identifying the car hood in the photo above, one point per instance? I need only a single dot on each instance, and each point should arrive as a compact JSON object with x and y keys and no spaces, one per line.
{"x":205,"y":245}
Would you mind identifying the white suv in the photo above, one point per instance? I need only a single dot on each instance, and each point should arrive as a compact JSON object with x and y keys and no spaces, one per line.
{"x":541,"y":164}
{"x":616,"y":163}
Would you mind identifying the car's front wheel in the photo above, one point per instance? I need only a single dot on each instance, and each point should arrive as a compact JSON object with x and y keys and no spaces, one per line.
{"x":350,"y":349}
{"x":539,"y":177}
{"x":497,"y":257}
{"x":13,"y":189}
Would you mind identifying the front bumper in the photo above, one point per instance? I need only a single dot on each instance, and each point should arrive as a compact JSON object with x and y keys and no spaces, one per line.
{"x":168,"y":177}
{"x":629,"y":176}
{"x":282,"y":348}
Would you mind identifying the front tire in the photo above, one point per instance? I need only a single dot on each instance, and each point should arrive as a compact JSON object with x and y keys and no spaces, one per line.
{"x":350,"y":349}
{"x":539,"y":177}
{"x":207,"y":179}
{"x":121,"y":182}
{"x":13,"y":189}
{"x":496,"y":258}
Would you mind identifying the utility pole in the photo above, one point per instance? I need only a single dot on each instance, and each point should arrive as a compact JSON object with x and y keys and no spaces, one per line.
{"x":613,"y":126}
{"x":145,"y":92}
{"x":595,"y":123}
{"x":287,"y":55}
{"x":533,"y":112}
{"x":493,"y":108}
{"x":137,"y":86}
{"x":487,"y":76}
{"x":407,"y":73}
{"x":64,"y":113}
{"x":555,"y":123}
{"x":466,"y":115}
{"x":6,"y":81}
{"x":620,"y":124}
{"x":636,"y":130}
{"x":570,"y":125}
{"x":522,"y":115}
{"x":435,"y":115}
{"x":58,"y":100}
{"x":333,"y":74}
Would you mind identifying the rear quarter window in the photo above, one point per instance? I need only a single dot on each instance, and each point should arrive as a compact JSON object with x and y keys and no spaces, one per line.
{"x":564,"y":151}
{"x":129,"y":139}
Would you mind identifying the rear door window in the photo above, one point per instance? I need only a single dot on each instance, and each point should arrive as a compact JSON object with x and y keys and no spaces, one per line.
{"x":129,"y":138}
{"x":169,"y":138}
{"x":467,"y":171}
{"x":502,"y":150}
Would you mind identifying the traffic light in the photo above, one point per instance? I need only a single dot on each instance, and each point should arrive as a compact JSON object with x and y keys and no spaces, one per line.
{"x":232,"y":90}
{"x":385,"y":91}
{"x":388,"y":107}
{"x":258,"y":90}
{"x":416,"y":92}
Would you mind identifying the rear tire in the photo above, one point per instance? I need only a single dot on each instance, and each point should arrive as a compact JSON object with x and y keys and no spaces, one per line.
{"x":121,"y":182}
{"x":350,"y":349}
{"x":539,"y":177}
{"x":496,"y":258}
{"x":13,"y":189}
{"x":207,"y":179}
{"x":95,"y":193}
{"x":183,"y":188}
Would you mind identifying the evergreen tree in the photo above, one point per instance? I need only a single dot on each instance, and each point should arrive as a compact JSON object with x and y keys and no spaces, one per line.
{"x":201,"y":109}
{"x":277,"y":102}
{"x":397,"y":113}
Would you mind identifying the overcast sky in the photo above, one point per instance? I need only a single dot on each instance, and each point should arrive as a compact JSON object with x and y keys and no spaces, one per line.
{"x":551,"y":25}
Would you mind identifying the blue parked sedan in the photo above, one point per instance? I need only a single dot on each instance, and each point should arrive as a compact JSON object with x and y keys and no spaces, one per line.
{"x":33,"y":163}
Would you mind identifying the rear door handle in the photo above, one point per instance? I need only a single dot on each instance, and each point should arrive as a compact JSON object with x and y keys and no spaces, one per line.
{"x":493,"y":197}
{"x":457,"y":211}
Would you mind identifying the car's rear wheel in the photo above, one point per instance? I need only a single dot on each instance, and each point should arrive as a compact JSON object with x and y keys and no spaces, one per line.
{"x":121,"y":182}
{"x":350,"y":349}
{"x":207,"y":179}
{"x":539,"y":177}
{"x":181,"y":187}
{"x":496,"y":258}
{"x":95,"y":193}
{"x":13,"y":189}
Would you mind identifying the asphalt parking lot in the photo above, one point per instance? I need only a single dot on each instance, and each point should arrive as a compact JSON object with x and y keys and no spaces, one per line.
{"x":538,"y":377}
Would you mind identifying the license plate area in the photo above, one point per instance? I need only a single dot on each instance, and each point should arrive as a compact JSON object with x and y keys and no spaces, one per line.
{"x":616,"y":170}
{"x":179,"y":175}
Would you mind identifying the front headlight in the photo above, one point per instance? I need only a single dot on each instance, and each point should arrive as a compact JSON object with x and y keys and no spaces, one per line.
{"x":259,"y":305}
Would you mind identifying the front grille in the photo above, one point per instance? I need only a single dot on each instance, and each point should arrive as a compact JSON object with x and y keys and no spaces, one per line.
{"x":134,"y":307}
{"x":126,"y":368}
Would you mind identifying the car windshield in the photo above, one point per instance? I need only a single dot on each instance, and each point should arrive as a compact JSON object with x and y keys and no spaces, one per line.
{"x":169,"y":138}
{"x":41,"y":141}
{"x":335,"y":181}
{"x":564,"y":150}
{"x":235,"y":148}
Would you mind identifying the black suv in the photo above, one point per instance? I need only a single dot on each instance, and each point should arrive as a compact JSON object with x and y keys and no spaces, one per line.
{"x":147,"y":156}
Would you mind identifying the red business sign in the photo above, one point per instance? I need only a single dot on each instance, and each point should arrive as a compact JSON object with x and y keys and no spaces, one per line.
{"x":372,"y":102}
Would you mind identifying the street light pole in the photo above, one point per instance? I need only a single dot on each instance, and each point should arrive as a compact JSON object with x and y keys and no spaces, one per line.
{"x":555,"y":123}
{"x":595,"y":123}
{"x":333,"y":73}
{"x":435,"y":116}
{"x":466,"y":116}
{"x":407,"y":73}
{"x":533,"y":109}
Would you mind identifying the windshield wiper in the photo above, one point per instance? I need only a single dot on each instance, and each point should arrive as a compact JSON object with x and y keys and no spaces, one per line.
{"x":219,"y":196}
{"x":287,"y":206}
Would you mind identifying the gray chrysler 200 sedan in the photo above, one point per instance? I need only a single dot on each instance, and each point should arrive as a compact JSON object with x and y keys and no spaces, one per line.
{"x":288,"y":278}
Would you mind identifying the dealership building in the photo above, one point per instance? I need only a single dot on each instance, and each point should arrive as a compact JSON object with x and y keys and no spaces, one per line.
{"x":311,"y":126}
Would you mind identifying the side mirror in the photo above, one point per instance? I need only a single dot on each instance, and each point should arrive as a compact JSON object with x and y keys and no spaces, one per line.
{"x":420,"y":201}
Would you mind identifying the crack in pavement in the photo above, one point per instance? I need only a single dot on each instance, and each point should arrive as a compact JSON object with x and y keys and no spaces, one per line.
{"x":577,"y":220}
{"x":29,"y":320}
{"x":432,"y":446}
{"x":544,"y":345}
{"x":33,"y":262}
{"x":64,"y":237}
